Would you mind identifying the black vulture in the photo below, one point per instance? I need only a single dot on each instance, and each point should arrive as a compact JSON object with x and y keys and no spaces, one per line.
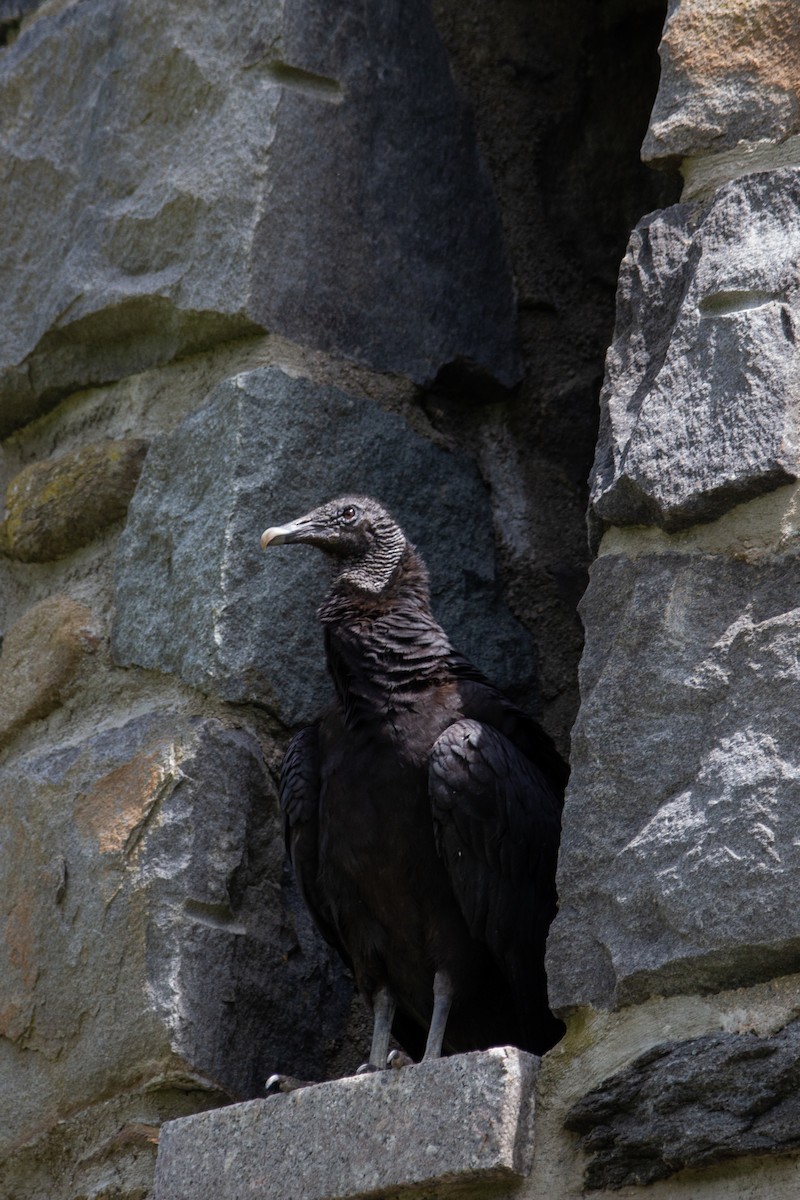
{"x":422,"y":810}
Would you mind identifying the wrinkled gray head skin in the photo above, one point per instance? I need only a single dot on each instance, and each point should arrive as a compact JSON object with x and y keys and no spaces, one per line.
{"x":366,"y":542}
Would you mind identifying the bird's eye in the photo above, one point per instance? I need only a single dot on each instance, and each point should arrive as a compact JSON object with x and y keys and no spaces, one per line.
{"x":350,"y":513}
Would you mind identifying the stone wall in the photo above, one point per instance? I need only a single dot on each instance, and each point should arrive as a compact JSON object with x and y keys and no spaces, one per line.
{"x":675,"y":951}
{"x":255,"y":253}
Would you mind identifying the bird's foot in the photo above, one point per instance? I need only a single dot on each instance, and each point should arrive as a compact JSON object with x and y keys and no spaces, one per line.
{"x":276,"y":1084}
{"x":395,"y":1061}
{"x":398,"y":1059}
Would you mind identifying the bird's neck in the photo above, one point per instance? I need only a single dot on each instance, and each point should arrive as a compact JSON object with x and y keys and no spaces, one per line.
{"x":385,"y":647}
{"x":373,"y":573}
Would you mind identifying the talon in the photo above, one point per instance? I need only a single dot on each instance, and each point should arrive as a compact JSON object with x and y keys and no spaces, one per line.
{"x":281,"y":1084}
{"x":367,"y":1069}
{"x":398,"y":1059}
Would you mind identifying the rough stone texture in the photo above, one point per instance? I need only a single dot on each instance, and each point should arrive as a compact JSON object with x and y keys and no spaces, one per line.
{"x":729,"y":73}
{"x":698,"y":406}
{"x":214,"y":191}
{"x":456,"y":1126}
{"x":11,"y":14}
{"x":105,"y":1152}
{"x":128,"y":235}
{"x":690,"y":1104}
{"x":148,"y":934}
{"x":53,"y":507}
{"x":600,"y":1046}
{"x":195,"y":593}
{"x":378,"y":130}
{"x":679,"y":853}
{"x":159,"y":139}
{"x":42,"y":653}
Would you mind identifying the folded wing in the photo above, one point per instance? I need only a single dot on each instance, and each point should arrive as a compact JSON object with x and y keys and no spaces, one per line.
{"x":497,"y":821}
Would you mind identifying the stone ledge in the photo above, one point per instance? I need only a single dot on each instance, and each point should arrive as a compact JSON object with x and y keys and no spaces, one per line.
{"x":455,"y":1127}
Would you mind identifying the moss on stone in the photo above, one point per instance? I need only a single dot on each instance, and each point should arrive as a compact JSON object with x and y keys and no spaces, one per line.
{"x":54,"y":507}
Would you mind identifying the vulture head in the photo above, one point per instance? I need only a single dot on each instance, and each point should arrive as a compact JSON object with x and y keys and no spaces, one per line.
{"x":365,"y":543}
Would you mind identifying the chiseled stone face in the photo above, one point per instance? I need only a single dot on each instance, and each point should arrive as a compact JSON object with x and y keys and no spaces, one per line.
{"x":730,"y":72}
{"x":699,"y":407}
{"x":146,"y":930}
{"x":247,"y":165}
{"x":197,"y":596}
{"x":679,"y":854}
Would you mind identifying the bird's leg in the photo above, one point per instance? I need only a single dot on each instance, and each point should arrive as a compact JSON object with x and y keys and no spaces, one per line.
{"x":442,"y":999}
{"x":383,"y":1006}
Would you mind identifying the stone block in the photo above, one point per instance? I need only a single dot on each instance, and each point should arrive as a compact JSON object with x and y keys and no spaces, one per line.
{"x":149,"y":936}
{"x":691,"y":1104}
{"x":698,"y":407}
{"x":250,"y":165}
{"x":195,"y":594}
{"x":381,"y":239}
{"x":729,"y":74}
{"x":679,"y":852}
{"x":460,"y":1126}
{"x":55,"y":506}
{"x":41,"y":656}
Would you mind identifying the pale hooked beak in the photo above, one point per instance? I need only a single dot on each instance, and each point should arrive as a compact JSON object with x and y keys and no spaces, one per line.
{"x":276,"y":535}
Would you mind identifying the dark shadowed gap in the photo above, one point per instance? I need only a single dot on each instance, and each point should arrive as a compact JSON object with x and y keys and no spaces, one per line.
{"x":562,"y":96}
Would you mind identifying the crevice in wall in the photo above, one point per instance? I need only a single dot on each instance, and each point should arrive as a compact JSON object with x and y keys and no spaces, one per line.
{"x":561,"y":109}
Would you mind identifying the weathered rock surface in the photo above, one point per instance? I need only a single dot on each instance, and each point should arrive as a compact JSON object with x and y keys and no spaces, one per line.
{"x":41,"y":655}
{"x":427,"y":271}
{"x":679,"y":854}
{"x":148,"y":933}
{"x":106,"y":1151}
{"x":698,"y":406}
{"x":55,"y":506}
{"x":248,"y":166}
{"x":11,"y":14}
{"x":454,"y":1127}
{"x":729,"y":73}
{"x":197,"y":596}
{"x":691,"y":1104}
{"x":128,"y":235}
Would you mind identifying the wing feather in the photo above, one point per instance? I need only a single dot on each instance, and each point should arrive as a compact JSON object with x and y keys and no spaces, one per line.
{"x":497,"y":821}
{"x":299,"y":800}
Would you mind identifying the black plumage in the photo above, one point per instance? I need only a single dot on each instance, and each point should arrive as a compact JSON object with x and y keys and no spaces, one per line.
{"x":422,"y":810}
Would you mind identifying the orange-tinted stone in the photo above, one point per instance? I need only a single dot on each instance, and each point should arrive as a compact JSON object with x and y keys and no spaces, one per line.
{"x":41,"y":655}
